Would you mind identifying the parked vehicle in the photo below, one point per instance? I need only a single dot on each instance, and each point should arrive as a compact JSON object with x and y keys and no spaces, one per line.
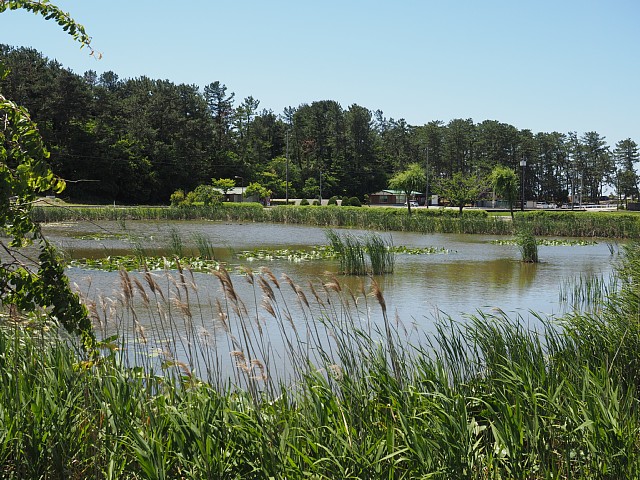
{"x":412,"y":202}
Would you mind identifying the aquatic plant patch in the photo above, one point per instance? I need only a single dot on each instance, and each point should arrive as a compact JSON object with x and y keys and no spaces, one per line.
{"x":325,"y":252}
{"x":136,"y":263}
{"x":103,"y":236}
{"x":548,"y":242}
{"x":318,"y":252}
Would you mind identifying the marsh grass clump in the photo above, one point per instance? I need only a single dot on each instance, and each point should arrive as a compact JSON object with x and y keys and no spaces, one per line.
{"x":587,"y":292}
{"x":176,"y":244}
{"x":381,"y":254}
{"x":204,"y":246}
{"x":353,"y":251}
{"x":528,"y":246}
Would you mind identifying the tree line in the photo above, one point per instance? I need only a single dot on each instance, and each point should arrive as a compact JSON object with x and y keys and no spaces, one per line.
{"x":138,"y":140}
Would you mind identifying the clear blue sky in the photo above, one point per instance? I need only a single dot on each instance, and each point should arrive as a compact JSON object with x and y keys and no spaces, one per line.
{"x":545,"y":65}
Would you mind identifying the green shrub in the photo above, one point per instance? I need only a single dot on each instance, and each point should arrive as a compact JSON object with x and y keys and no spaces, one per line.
{"x":333,"y":201}
{"x":355,"y":202}
{"x":304,"y":201}
{"x":177,"y":198}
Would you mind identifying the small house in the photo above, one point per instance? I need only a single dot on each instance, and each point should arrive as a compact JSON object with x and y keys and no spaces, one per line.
{"x":393,"y":197}
{"x":237,"y":194}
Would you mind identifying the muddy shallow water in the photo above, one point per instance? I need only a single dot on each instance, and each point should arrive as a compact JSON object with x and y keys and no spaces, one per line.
{"x":474,"y":274}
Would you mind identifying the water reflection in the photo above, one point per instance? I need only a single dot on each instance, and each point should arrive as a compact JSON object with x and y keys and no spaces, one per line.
{"x":476,"y":274}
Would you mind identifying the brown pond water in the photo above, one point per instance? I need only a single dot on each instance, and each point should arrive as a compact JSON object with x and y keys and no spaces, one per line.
{"x":474,"y":275}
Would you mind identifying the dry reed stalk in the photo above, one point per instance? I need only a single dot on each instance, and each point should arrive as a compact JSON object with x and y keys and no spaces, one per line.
{"x":183,"y":307}
{"x":127,"y":288}
{"x":240,"y":360}
{"x":153,"y":285}
{"x":222,"y":316}
{"x":289,"y":318}
{"x":377,"y":293}
{"x":263,"y":374}
{"x":287,"y":279}
{"x":248,"y":274}
{"x":335,"y":286}
{"x":92,"y":307}
{"x":139,"y":330}
{"x":266,"y":288}
{"x":301,"y":295}
{"x":266,"y":304}
{"x":143,"y":293}
{"x":271,"y":276}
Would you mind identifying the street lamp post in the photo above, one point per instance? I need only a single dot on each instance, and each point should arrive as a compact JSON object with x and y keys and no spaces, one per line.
{"x":523,"y":164}
{"x":426,"y":192}
{"x":286,"y":185}
{"x":241,"y":188}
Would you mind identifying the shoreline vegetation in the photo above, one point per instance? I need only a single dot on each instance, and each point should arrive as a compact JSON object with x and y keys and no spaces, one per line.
{"x":538,"y":223}
{"x":483,"y":397}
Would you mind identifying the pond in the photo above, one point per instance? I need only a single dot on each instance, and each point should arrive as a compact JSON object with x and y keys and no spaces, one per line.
{"x":467,"y":274}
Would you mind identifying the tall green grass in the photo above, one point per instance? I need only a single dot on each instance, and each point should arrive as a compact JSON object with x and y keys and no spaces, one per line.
{"x":225,"y":211}
{"x":581,"y":224}
{"x":527,"y":245}
{"x":540,"y":223}
{"x":353,"y":252}
{"x":330,"y":392}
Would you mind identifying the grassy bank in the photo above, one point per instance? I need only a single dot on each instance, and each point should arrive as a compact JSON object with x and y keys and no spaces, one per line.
{"x":582,"y":224}
{"x":485,"y":398}
{"x":540,"y":223}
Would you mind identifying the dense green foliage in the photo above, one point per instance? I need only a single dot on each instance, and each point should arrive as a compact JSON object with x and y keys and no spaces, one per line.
{"x":462,"y":189}
{"x":483,"y":398}
{"x":408,"y":181}
{"x":505,"y":183}
{"x":138,"y":140}
{"x":32,"y":282}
